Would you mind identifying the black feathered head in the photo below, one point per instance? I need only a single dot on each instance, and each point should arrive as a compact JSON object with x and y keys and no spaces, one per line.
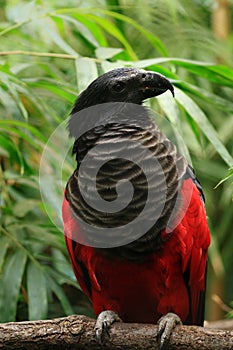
{"x":130,"y":85}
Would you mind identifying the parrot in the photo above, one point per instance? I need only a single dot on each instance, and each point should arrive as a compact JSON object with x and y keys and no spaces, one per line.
{"x":141,"y":259}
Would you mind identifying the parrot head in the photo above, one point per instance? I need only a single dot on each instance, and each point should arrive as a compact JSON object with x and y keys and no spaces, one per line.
{"x":130,"y":85}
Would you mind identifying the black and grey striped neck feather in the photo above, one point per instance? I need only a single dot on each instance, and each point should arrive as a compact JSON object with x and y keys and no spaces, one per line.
{"x":122,"y":124}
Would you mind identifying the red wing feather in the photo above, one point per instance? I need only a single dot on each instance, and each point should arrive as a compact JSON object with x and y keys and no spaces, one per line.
{"x":72,"y":230}
{"x":197,"y":242}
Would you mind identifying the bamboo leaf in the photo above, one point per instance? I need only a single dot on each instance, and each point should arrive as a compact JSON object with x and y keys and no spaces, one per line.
{"x":154,"y":40}
{"x":217,"y":74}
{"x":91,"y":31}
{"x":37,"y":292}
{"x":10,"y":150}
{"x":107,"y":52}
{"x":10,"y":281}
{"x":54,"y":35}
{"x":62,"y":91}
{"x":61,"y":264}
{"x":205,"y":95}
{"x":22,"y":207}
{"x":58,"y":291}
{"x":4,"y":244}
{"x":227,"y":177}
{"x":35,"y":132}
{"x":200,"y":118}
{"x":115,"y":32}
{"x":169,"y":106}
{"x":216,"y":258}
{"x":86,"y":72}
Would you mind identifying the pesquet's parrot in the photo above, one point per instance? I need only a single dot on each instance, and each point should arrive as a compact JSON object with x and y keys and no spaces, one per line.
{"x":142,"y":255}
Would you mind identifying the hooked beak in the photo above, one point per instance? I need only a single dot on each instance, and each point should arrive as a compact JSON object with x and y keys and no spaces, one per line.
{"x":154,"y":84}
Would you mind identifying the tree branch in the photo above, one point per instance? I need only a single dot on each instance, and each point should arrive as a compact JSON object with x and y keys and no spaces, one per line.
{"x":77,"y":332}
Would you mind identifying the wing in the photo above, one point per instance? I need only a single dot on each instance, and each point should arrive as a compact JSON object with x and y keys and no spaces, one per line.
{"x":80,"y":255}
{"x":194,"y":257}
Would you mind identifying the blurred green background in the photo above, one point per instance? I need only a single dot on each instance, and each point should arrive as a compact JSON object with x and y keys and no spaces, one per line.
{"x":49,"y":53}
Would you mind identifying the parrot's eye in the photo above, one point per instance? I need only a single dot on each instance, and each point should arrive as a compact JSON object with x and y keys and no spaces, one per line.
{"x":118,"y":87}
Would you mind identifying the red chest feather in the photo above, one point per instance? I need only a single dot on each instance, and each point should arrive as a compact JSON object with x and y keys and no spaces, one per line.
{"x":169,"y":280}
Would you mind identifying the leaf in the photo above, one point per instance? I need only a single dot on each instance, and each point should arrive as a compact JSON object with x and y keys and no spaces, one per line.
{"x":227,"y":177}
{"x":200,"y":118}
{"x":52,"y":200}
{"x":58,"y":291}
{"x":210,"y":169}
{"x":62,"y":279}
{"x":223,"y":71}
{"x":217,"y":74}
{"x":216,"y":258}
{"x":10,"y":285}
{"x":4,"y":244}
{"x":107,"y":52}
{"x":62,"y":91}
{"x":86,"y":72}
{"x":90,"y":31}
{"x":206,"y":95}
{"x":20,"y":134}
{"x":61,"y":263}
{"x":15,"y":87}
{"x":40,"y":234}
{"x":154,"y":40}
{"x":16,"y":123}
{"x":169,"y":106}
{"x":115,"y":32}
{"x":37,"y":292}
{"x":22,"y":207}
{"x":10,"y":150}
{"x":54,"y":35}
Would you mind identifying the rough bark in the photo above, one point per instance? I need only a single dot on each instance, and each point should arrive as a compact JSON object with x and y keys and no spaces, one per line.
{"x":77,"y":332}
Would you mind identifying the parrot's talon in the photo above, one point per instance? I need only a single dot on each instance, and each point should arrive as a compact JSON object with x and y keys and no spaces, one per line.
{"x":106,"y":329}
{"x":103,"y":324}
{"x":98,"y":334}
{"x":166,"y":324}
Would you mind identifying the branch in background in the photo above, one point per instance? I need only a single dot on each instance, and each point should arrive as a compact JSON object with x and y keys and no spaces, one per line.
{"x":221,"y":19}
{"x":39,"y":54}
{"x":77,"y":332}
{"x":220,"y":324}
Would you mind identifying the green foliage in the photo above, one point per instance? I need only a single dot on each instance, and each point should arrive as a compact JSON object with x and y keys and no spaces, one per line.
{"x":49,"y":54}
